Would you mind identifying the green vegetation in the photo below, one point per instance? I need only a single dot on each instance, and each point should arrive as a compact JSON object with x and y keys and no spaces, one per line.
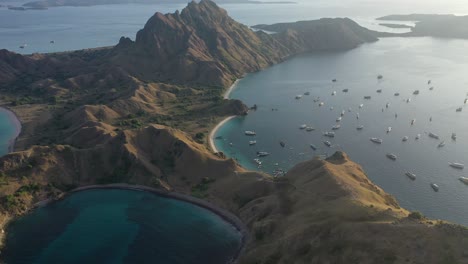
{"x":416,"y":215}
{"x":200,"y":190}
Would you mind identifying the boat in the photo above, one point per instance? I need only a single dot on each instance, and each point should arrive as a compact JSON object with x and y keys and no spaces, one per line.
{"x":334,"y":93}
{"x":408,"y":100}
{"x":308,"y":129}
{"x":413,"y":121}
{"x":379,"y":90}
{"x":299,"y":96}
{"x":418,"y":136}
{"x":456,"y":165}
{"x":432,"y":135}
{"x":361,"y":105}
{"x":405,"y":138}
{"x":307,"y":93}
{"x":312,"y":146}
{"x":466,"y":101}
{"x":389,"y":129}
{"x":331,"y":108}
{"x":52,"y":41}
{"x":345,"y":90}
{"x":432,"y":88}
{"x":230,"y":144}
{"x":321,"y":103}
{"x":336,"y":127}
{"x":361,"y":127}
{"x":357,"y":115}
{"x":396,"y":94}
{"x":327,"y":143}
{"x":416,"y":92}
{"x":252,"y":142}
{"x":410,"y":175}
{"x":441,"y":144}
{"x":334,"y":80}
{"x":435,"y":187}
{"x":376,"y":140}
{"x":391,"y":156}
{"x":338,"y":119}
{"x":429,"y":82}
{"x":379,"y":77}
{"x":258,"y":162}
{"x":464,"y":180}
{"x":303,"y":126}
{"x":454,"y":136}
{"x":459,"y":109}
{"x":367,"y":97}
{"x":262,"y":154}
{"x":329,"y":134}
{"x":282,"y":144}
{"x":343,"y":112}
{"x":250,"y":133}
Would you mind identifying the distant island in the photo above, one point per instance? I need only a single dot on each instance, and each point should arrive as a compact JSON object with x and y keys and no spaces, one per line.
{"x":56,"y":3}
{"x":140,"y":113}
{"x":389,"y":25}
{"x":433,"y":25}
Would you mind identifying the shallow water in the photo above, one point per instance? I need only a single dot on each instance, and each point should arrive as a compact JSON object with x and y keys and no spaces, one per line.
{"x":120,"y":226}
{"x":407,"y":65}
{"x":8,"y":130}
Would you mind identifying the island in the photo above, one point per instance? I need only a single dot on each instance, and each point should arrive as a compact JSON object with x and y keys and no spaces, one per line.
{"x":139,"y":114}
{"x":390,"y":25}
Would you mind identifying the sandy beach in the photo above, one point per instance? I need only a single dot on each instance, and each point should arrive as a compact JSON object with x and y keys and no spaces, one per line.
{"x":229,"y":91}
{"x":213,"y":132}
{"x":14,"y":119}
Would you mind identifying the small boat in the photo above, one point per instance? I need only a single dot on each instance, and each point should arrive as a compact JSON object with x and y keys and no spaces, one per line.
{"x":379,"y":90}
{"x":321,"y":103}
{"x":334,"y":93}
{"x":336,"y":127}
{"x":416,"y":92}
{"x":338,"y":119}
{"x":408,"y":100}
{"x":327,"y":143}
{"x":466,"y":101}
{"x":258,"y":162}
{"x":454,"y":136}
{"x":250,"y":133}
{"x":309,"y":129}
{"x":230,"y":144}
{"x":379,"y":77}
{"x":23,"y":46}
{"x":405,"y":138}
{"x":413,"y":121}
{"x":345,"y":90}
{"x":282,"y":144}
{"x":307,"y":93}
{"x":299,"y":96}
{"x":410,"y":175}
{"x":361,"y":105}
{"x":441,"y":144}
{"x":262,"y":154}
{"x":429,"y":82}
{"x":252,"y":142}
{"x":329,"y":134}
{"x":52,"y":41}
{"x":396,"y":94}
{"x":361,"y":127}
{"x":376,"y":140}
{"x":456,"y":165}
{"x":435,"y":187}
{"x":432,"y":88}
{"x":418,"y":136}
{"x":367,"y":97}
{"x":387,"y":105}
{"x":334,"y":80}
{"x":389,"y":129}
{"x":303,"y":126}
{"x":432,"y":135}
{"x":312,"y":146}
{"x":357,"y":115}
{"x":464,"y":180}
{"x":459,"y":109}
{"x":343,"y":112}
{"x":391,"y":156}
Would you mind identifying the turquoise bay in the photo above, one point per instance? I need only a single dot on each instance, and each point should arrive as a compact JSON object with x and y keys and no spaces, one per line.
{"x":407,"y":65}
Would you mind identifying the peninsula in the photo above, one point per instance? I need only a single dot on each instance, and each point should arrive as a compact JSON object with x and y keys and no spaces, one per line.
{"x":139,"y":113}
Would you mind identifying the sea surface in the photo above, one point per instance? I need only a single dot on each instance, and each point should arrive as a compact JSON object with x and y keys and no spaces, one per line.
{"x":120,"y":226}
{"x":407,"y":64}
{"x":8,"y":130}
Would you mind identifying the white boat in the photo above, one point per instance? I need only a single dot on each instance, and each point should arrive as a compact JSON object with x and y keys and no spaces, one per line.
{"x":441,"y":144}
{"x":329,"y":134}
{"x":418,"y":136}
{"x":410,"y":175}
{"x":327,"y":143}
{"x":376,"y":140}
{"x":334,"y":93}
{"x":312,"y":146}
{"x":391,"y":156}
{"x":336,"y":127}
{"x":413,"y":121}
{"x":262,"y":154}
{"x":387,"y":105}
{"x":338,"y":119}
{"x":457,"y":165}
{"x":454,"y":136}
{"x":405,"y":138}
{"x":361,"y":105}
{"x":258,"y":162}
{"x":252,"y":142}
{"x":299,"y":96}
{"x":435,"y":187}
{"x":416,"y":92}
{"x":464,"y":180}
{"x":361,"y":127}
{"x":432,"y":135}
{"x":250,"y":133}
{"x":389,"y":129}
{"x":303,"y":126}
{"x":343,"y":112}
{"x":408,"y":100}
{"x":459,"y":109}
{"x":321,"y":103}
{"x":308,"y":129}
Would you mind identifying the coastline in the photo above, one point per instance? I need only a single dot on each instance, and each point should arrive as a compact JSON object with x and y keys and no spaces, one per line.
{"x":214,"y":130}
{"x":224,"y":214}
{"x":228,"y":92}
{"x":14,"y":118}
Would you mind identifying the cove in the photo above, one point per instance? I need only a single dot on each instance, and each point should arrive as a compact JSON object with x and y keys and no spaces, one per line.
{"x":121,"y":226}
{"x":406,"y":65}
{"x":10,"y":128}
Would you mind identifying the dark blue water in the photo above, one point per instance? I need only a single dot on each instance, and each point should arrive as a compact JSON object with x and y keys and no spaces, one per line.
{"x":407,"y":65}
{"x":120,"y":226}
{"x":8,"y":130}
